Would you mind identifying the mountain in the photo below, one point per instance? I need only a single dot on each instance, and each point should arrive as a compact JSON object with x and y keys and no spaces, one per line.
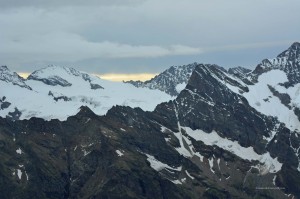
{"x":12,"y":78}
{"x":227,"y":134}
{"x":57,"y":92}
{"x":171,"y":81}
{"x":287,"y":61}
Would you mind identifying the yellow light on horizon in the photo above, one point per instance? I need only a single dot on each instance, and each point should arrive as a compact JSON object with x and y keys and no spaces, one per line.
{"x":126,"y":77}
{"x":24,"y":75}
{"x":113,"y":76}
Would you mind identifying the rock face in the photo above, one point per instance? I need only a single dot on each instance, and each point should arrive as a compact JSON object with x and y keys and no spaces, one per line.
{"x":171,"y":81}
{"x":241,"y":73}
{"x":287,"y":61}
{"x":218,"y":138}
{"x":11,"y":77}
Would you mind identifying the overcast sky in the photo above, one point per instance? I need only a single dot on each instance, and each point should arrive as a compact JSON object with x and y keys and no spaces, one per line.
{"x":144,"y":36}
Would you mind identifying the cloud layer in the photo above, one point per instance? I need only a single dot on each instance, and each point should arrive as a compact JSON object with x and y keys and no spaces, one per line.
{"x":145,"y":35}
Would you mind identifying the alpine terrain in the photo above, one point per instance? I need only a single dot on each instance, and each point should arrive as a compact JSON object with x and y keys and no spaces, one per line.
{"x":193,"y":131}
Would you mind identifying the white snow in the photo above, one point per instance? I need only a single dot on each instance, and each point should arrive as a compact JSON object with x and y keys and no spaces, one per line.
{"x":259,"y":98}
{"x":119,"y":153}
{"x":181,"y":138}
{"x":274,"y":179}
{"x":218,"y":161}
{"x":27,"y":178}
{"x":211,"y":164}
{"x":188,"y":174}
{"x":19,"y":173}
{"x":190,"y":152}
{"x":19,"y":151}
{"x":180,"y":87}
{"x":85,"y":152}
{"x":183,"y":180}
{"x":176,"y":181}
{"x":37,"y":102}
{"x":89,"y":119}
{"x":158,"y":166}
{"x":268,"y":164}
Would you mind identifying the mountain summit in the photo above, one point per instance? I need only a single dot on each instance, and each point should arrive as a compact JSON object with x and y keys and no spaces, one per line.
{"x":287,"y":61}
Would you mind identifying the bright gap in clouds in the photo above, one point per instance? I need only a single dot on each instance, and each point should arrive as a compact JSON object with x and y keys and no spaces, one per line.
{"x":24,"y":75}
{"x":114,"y":77}
{"x":127,"y":77}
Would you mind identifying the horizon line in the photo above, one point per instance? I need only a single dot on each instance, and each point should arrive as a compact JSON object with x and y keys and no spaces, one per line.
{"x":115,"y":77}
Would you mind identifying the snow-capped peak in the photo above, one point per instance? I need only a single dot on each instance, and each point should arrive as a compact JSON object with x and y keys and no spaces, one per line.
{"x":11,"y":77}
{"x":57,"y":92}
{"x":58,"y":75}
{"x":287,"y":61}
{"x":292,"y":53}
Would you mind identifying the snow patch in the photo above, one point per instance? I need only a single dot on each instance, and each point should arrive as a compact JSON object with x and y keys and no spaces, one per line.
{"x":176,"y":181}
{"x":211,"y":164}
{"x":180,"y":87}
{"x":259,"y":92}
{"x":19,"y":173}
{"x":269,"y":164}
{"x":119,"y":153}
{"x":187,"y":173}
{"x":158,"y":166}
{"x":274,"y":180}
{"x":19,"y":151}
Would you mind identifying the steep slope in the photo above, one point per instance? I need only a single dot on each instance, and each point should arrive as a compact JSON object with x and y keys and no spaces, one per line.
{"x":241,"y":73}
{"x":57,"y":92}
{"x":276,"y":83}
{"x":171,"y":81}
{"x":210,"y":112}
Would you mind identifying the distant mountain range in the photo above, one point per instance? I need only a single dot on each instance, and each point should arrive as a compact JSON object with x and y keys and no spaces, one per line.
{"x":193,"y":131}
{"x":57,"y":92}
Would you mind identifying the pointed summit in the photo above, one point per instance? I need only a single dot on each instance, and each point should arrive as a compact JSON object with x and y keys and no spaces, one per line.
{"x":292,"y":53}
{"x":8,"y":76}
{"x":85,"y":111}
{"x":287,"y":61}
{"x":170,"y":81}
{"x":62,"y":76}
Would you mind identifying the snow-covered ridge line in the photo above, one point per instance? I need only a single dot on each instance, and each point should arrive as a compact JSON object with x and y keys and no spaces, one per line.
{"x":12,"y":77}
{"x":269,"y":164}
{"x":59,"y":92}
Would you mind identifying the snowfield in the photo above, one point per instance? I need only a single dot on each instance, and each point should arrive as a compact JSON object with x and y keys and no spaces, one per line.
{"x":41,"y":102}
{"x":262,"y":99}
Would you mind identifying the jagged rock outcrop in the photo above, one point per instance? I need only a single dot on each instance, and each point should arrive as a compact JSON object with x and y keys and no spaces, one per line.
{"x":171,"y":81}
{"x":287,"y":61}
{"x":11,"y":77}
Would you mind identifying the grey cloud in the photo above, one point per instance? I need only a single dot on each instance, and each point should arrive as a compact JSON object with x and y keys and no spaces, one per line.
{"x":4,"y":4}
{"x":149,"y":34}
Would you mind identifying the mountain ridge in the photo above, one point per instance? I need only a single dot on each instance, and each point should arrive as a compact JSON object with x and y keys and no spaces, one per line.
{"x":220,"y":137}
